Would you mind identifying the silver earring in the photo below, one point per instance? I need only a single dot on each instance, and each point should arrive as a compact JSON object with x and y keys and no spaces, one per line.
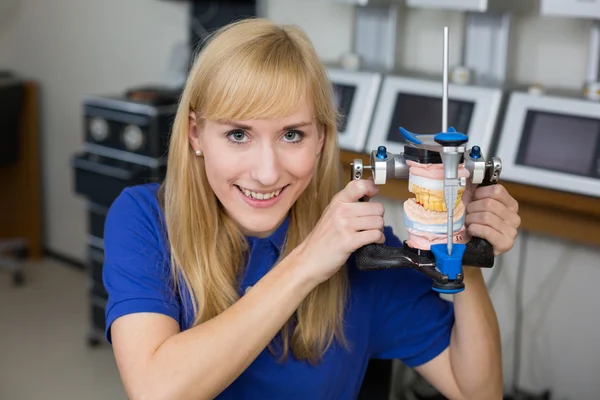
{"x":198,"y":153}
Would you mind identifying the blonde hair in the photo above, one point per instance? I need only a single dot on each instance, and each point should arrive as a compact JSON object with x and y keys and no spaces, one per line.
{"x":251,"y":69}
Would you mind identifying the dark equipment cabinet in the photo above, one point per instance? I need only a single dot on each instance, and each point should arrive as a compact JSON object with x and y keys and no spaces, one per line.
{"x":12,"y":94}
{"x":207,"y":16}
{"x":126,"y":140}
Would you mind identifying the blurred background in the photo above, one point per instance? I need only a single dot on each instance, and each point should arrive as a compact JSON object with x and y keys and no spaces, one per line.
{"x":88,"y":91}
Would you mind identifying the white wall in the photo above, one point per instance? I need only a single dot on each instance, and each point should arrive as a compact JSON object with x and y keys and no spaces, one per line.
{"x":73,"y":48}
{"x":561,"y":331}
{"x":78,"y":47}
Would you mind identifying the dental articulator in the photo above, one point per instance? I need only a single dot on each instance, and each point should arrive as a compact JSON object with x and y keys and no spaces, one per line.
{"x":438,"y":167}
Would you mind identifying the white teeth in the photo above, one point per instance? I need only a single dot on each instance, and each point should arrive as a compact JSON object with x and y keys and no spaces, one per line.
{"x":260,"y":196}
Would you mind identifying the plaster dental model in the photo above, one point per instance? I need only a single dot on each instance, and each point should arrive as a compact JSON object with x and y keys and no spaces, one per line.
{"x":439,"y":168}
{"x":426,"y":215}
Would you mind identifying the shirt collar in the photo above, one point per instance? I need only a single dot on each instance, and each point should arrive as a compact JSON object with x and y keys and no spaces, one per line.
{"x":277,"y":238}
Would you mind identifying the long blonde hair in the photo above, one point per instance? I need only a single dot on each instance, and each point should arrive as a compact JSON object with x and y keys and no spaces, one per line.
{"x":251,"y":69}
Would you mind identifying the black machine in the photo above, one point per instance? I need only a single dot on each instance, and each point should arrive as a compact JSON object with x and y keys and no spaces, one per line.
{"x":126,"y":143}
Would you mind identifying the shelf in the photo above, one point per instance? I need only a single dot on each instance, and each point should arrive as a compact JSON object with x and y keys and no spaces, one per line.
{"x":559,"y":214}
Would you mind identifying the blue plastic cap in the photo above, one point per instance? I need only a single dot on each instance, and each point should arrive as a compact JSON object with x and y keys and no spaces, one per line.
{"x":475,"y":152}
{"x":381,"y":152}
{"x":447,"y":291}
{"x":411,"y":137}
{"x":450,"y":265}
{"x":452,"y":138}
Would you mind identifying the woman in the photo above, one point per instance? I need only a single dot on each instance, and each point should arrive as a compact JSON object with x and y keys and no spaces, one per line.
{"x":234,"y":279}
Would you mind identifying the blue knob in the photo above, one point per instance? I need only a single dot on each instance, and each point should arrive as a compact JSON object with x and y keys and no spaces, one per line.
{"x":475,"y":152}
{"x":381,"y":152}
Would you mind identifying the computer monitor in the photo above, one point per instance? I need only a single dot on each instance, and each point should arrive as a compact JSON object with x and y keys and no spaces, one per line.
{"x":552,"y":142}
{"x":416,"y":105}
{"x":355,"y":94}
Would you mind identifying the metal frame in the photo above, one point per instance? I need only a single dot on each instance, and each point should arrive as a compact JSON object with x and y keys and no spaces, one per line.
{"x":483,"y":123}
{"x":589,"y":10}
{"x":593,"y":67}
{"x":519,"y":104}
{"x":376,"y":32}
{"x":360,"y":114}
{"x":486,"y":48}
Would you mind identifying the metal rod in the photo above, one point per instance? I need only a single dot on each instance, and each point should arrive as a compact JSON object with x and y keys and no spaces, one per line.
{"x":445,"y":88}
{"x":445,"y":129}
{"x":593,"y":67}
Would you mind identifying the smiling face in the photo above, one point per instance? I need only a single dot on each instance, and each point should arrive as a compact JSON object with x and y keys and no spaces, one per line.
{"x":259,"y":168}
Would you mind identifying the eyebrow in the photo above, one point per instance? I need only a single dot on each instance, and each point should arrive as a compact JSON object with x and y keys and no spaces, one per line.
{"x":249,"y":128}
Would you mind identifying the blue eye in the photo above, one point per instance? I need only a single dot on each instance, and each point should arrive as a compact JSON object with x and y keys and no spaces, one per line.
{"x":293,"y":136}
{"x":237,"y":136}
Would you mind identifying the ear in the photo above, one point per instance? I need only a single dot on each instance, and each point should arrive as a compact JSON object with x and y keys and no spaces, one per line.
{"x":193,"y":131}
{"x":321,"y":141}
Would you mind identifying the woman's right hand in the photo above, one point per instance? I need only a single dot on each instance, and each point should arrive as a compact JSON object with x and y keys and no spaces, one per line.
{"x":345,"y":226}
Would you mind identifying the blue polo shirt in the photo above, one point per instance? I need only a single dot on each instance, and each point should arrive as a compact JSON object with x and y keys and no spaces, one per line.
{"x":390,"y":314}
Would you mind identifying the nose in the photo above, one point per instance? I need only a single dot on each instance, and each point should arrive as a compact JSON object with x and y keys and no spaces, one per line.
{"x":266,"y":166}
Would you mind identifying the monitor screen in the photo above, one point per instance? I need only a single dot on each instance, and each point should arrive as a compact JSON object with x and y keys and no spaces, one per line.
{"x":423,"y":114}
{"x":344,"y":96}
{"x":560,"y":142}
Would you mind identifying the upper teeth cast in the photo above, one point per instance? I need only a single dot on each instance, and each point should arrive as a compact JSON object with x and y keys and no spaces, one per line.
{"x":432,"y":199}
{"x":260,"y":196}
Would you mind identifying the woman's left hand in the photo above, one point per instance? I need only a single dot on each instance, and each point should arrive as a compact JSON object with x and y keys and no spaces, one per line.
{"x":492,"y":214}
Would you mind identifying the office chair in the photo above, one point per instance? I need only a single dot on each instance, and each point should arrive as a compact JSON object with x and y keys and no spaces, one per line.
{"x":13,"y":251}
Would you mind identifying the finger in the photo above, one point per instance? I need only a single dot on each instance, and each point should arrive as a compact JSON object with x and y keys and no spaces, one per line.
{"x":492,"y":220}
{"x":467,"y":195}
{"x":500,"y":243}
{"x":365,"y":209}
{"x":364,"y":238}
{"x":499,"y":193}
{"x":367,"y":223}
{"x":368,"y":198}
{"x":356,"y":189}
{"x":496,"y":207}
